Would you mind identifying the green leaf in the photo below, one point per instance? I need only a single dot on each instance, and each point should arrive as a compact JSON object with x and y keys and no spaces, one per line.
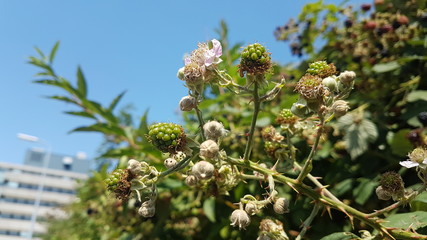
{"x":399,"y":143}
{"x":358,"y":136}
{"x":209,"y":209}
{"x":115,"y":101}
{"x":386,"y":67}
{"x":341,"y":236}
{"x":53,"y":52}
{"x":419,"y":203}
{"x":62,"y":98}
{"x":342,"y":187}
{"x":143,"y":124}
{"x":412,"y":220}
{"x":417,"y":95}
{"x":81,"y":114}
{"x":364,"y":190}
{"x":81,"y":82}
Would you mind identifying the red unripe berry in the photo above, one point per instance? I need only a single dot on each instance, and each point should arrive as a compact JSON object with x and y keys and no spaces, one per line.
{"x":370,"y":25}
{"x":403,"y":20}
{"x":379,"y":2}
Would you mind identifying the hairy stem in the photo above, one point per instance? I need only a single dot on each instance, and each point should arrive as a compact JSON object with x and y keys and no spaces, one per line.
{"x":201,"y":122}
{"x":178,"y":166}
{"x":257,"y":104}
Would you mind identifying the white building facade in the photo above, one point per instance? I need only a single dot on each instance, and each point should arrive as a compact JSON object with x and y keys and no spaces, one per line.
{"x":29,"y":193}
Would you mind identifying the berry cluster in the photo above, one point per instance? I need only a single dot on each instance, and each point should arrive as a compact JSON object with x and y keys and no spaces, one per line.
{"x":167,"y":137}
{"x":321,"y":69}
{"x":286,"y":117}
{"x":119,"y":183}
{"x":255,"y":60}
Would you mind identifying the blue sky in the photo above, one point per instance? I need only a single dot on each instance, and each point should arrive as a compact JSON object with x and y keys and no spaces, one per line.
{"x":130,"y":45}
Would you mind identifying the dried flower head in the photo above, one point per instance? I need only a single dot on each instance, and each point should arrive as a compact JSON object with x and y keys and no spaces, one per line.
{"x":286,"y":117}
{"x":269,"y":134}
{"x":203,"y":170}
{"x":321,"y":69}
{"x":340,"y":108}
{"x":209,"y":149}
{"x":417,"y":158}
{"x":119,"y":183}
{"x":311,"y":88}
{"x":252,"y":208}
{"x":239,"y":218}
{"x":214,"y":130}
{"x":392,"y":182}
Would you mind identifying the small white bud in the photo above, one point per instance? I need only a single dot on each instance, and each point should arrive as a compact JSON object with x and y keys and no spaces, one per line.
{"x":347,"y":77}
{"x":170,"y":163}
{"x":214,"y":130}
{"x":180,"y":73}
{"x":203,"y":170}
{"x":251,"y":208}
{"x":281,"y":206}
{"x":330,"y":82}
{"x":239,"y":218}
{"x":134,"y":167}
{"x":147,"y":209}
{"x":382,"y":194}
{"x":191,"y":180}
{"x":340,"y":108}
{"x":209,"y":149}
{"x":187,"y":103}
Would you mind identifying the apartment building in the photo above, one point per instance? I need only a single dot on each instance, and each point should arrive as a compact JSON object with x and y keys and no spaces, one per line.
{"x":30,"y":193}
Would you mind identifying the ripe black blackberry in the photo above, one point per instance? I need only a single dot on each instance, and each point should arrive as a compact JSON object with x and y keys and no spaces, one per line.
{"x":422,"y":117}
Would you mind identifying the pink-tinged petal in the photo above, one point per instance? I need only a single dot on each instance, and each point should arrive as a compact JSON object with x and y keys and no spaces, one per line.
{"x":187,"y":60}
{"x":209,"y":57}
{"x":217,"y":48}
{"x":409,"y":164}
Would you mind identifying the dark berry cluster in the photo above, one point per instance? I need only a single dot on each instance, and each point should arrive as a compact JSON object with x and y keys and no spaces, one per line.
{"x":255,"y":60}
{"x":167,"y":137}
{"x":119,"y":183}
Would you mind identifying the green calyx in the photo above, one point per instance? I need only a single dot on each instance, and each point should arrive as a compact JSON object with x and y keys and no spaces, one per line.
{"x":167,"y":137}
{"x":255,"y":60}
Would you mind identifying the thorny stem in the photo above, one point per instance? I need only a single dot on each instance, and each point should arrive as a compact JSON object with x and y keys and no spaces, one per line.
{"x":309,"y":162}
{"x":301,"y":188}
{"x":257,"y":104}
{"x":306,"y":224}
{"x":201,"y":122}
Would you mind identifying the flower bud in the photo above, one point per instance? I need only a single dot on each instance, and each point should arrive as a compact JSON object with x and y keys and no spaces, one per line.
{"x":214,"y":130}
{"x":239,"y":218}
{"x":147,"y":209}
{"x":382,"y":194}
{"x":281,"y":206}
{"x":251,"y":208}
{"x":347,"y":77}
{"x":170,"y":163}
{"x":331,"y":83}
{"x":340,"y":108}
{"x":209,"y":149}
{"x":187,"y":103}
{"x":191,"y":180}
{"x":203,"y":170}
{"x":134,"y":167}
{"x":180,"y":73}
{"x":300,"y":109}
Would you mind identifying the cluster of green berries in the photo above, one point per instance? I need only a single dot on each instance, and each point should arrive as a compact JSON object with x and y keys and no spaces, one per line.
{"x":255,"y":60}
{"x":167,"y":137}
{"x":321,"y":69}
{"x":286,"y":117}
{"x":272,"y":147}
{"x":118,"y":183}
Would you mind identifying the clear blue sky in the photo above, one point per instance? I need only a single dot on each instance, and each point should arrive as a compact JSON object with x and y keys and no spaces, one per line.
{"x":132,"y":45}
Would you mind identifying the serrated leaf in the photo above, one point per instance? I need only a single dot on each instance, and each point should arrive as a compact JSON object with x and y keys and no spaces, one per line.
{"x":81,"y":82}
{"x":53,"y":52}
{"x":417,"y":95}
{"x":364,"y":190}
{"x":209,"y":209}
{"x":342,"y":187}
{"x":358,"y":136}
{"x":413,"y":220}
{"x":341,"y":236}
{"x":62,"y":98}
{"x":116,"y":100}
{"x":419,"y":203}
{"x":81,"y":114}
{"x":386,"y":67}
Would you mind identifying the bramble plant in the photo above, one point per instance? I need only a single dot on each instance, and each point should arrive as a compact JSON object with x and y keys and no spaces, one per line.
{"x":258,"y":154}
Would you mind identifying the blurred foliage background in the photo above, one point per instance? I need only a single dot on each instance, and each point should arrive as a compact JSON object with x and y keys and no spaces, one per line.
{"x":385,"y":43}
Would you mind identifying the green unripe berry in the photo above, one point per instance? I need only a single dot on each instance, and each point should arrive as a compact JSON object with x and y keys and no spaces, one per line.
{"x":255,"y":60}
{"x":167,"y":137}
